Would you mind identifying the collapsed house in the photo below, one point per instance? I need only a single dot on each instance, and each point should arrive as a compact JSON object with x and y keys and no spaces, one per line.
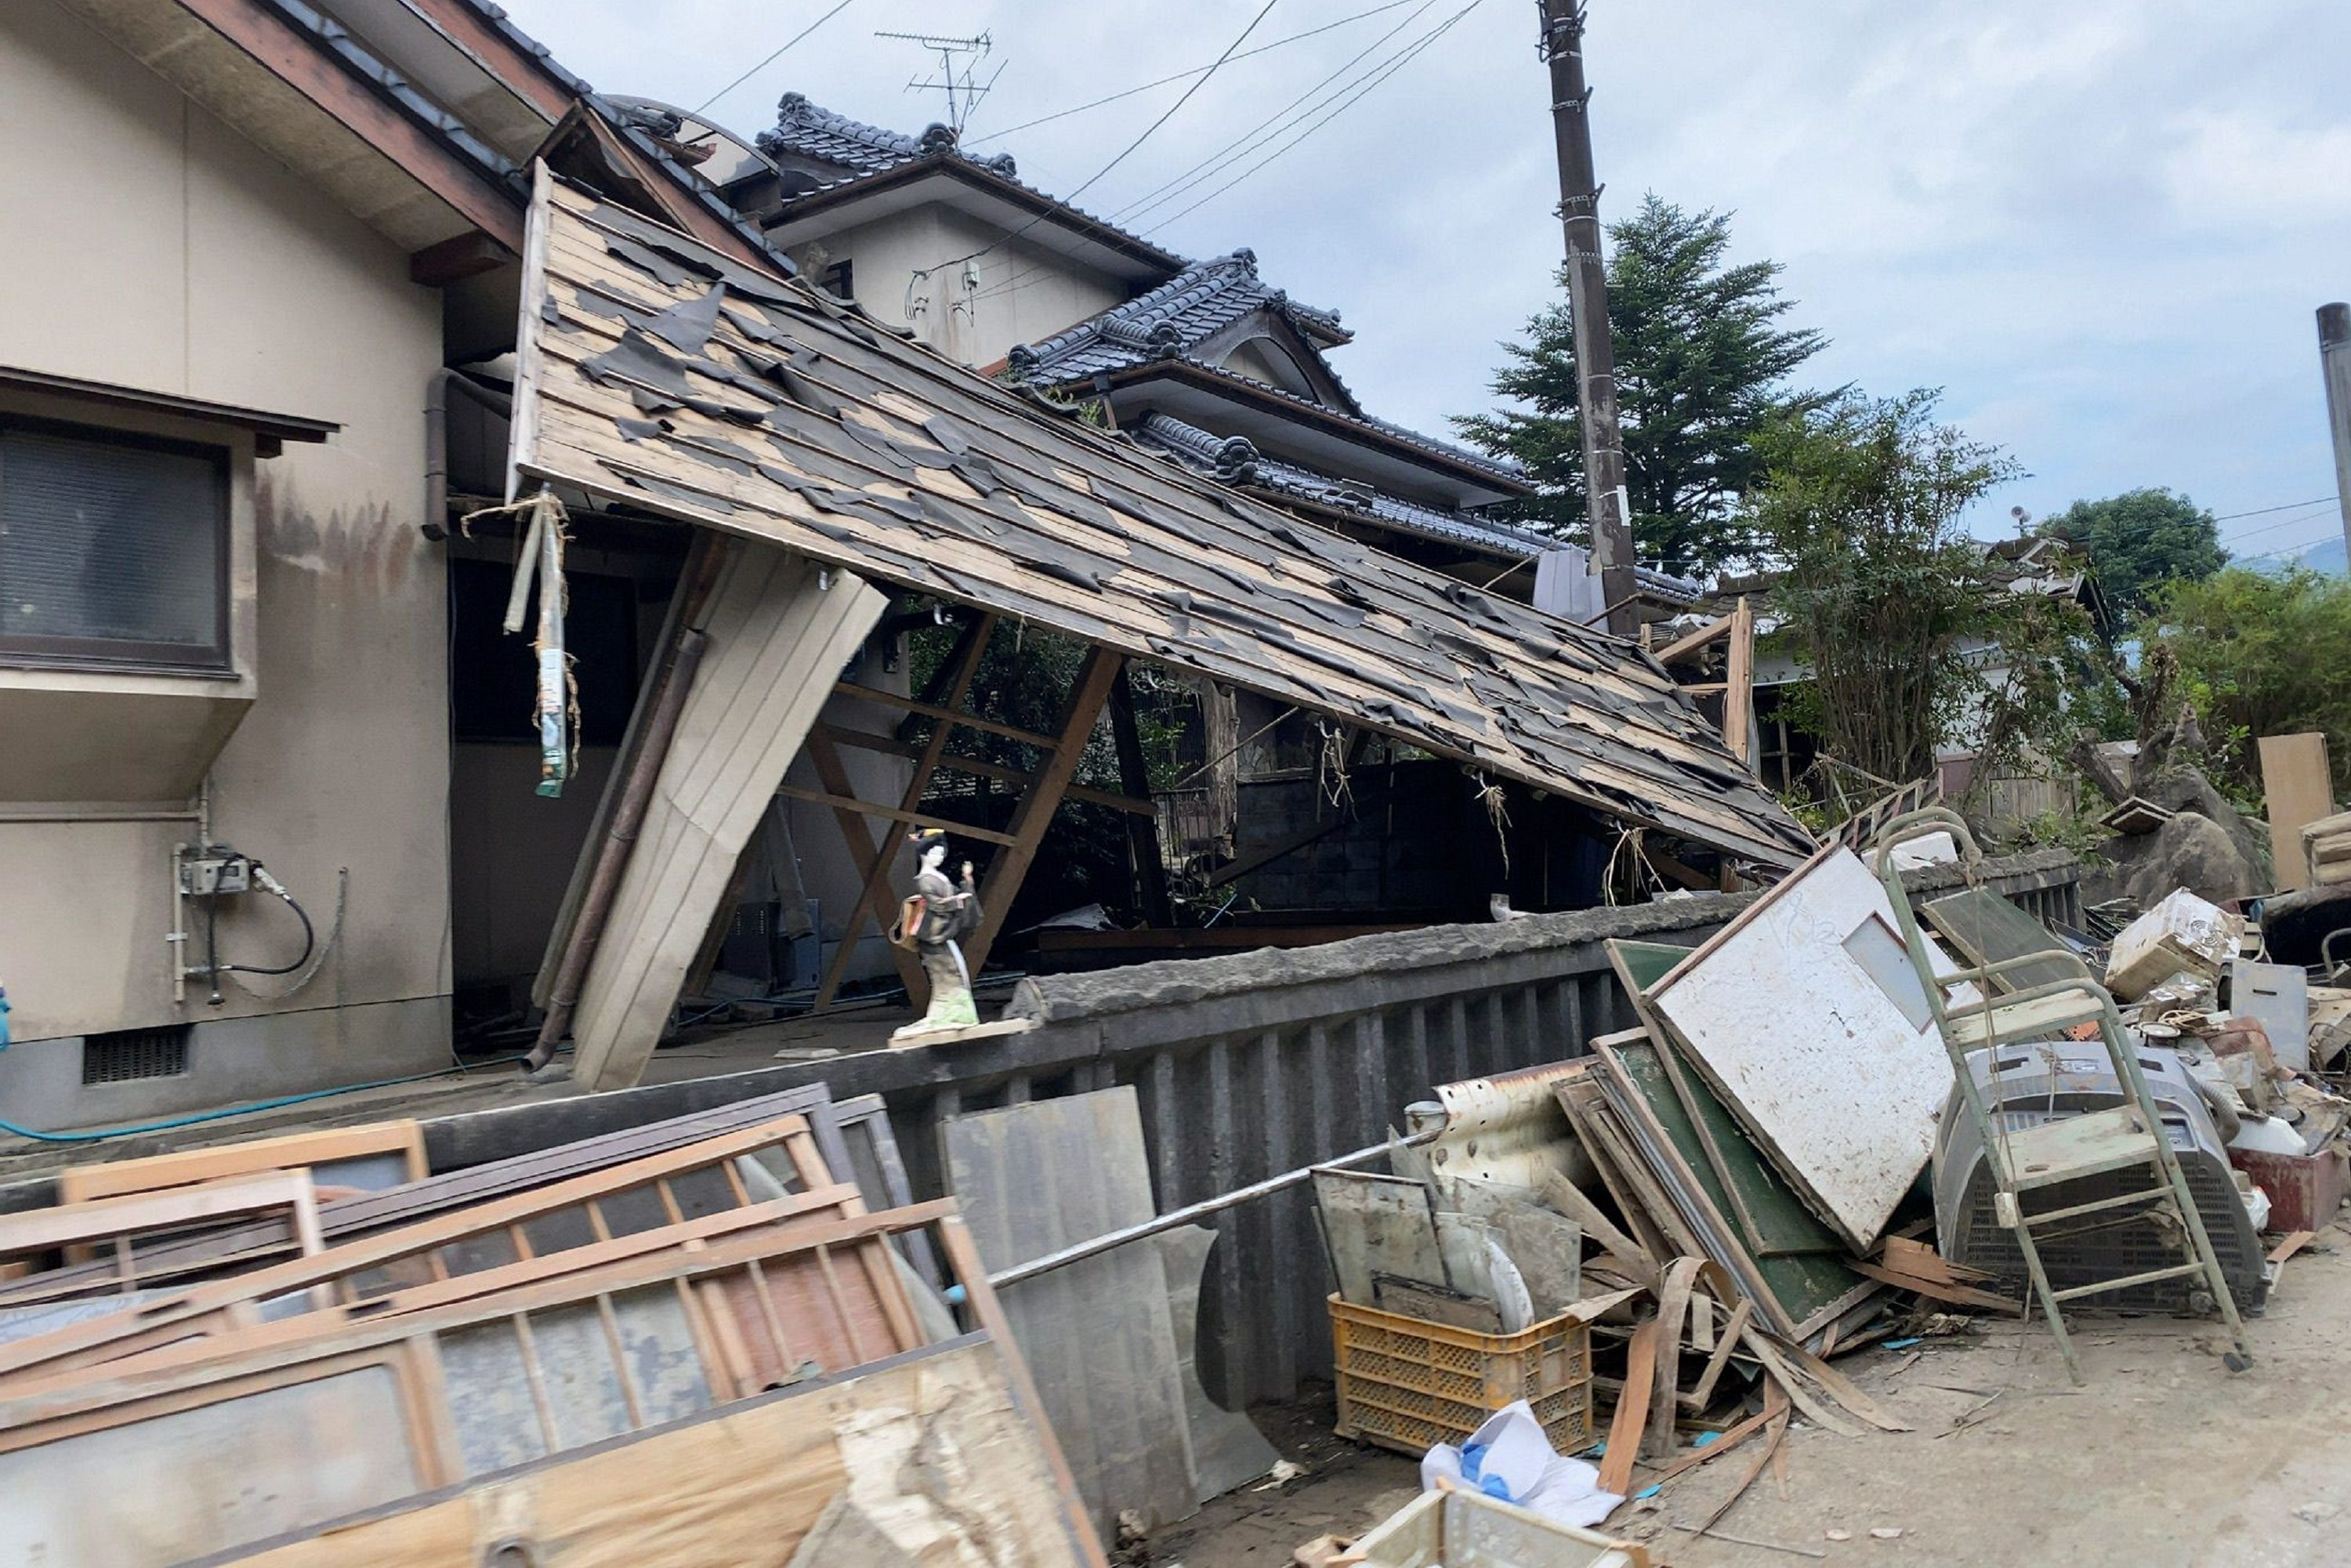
{"x":295,"y":771}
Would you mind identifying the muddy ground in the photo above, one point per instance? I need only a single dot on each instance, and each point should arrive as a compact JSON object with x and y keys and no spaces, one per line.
{"x":2164,"y":1459}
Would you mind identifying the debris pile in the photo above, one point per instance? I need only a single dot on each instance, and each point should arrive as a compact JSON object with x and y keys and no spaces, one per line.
{"x":1741,"y":1174}
{"x":692,"y":1340}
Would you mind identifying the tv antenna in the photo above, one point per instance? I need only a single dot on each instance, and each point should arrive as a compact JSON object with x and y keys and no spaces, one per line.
{"x":959,"y":59}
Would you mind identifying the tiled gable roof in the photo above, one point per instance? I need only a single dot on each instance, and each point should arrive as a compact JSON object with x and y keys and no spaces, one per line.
{"x":1179,"y":315}
{"x":810,"y":131}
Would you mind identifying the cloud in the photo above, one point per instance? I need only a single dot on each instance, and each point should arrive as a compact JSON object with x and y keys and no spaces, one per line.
{"x":2102,"y":226}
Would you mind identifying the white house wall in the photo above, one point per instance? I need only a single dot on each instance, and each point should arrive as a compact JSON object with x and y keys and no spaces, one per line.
{"x":151,"y":247}
{"x":1023,"y":292}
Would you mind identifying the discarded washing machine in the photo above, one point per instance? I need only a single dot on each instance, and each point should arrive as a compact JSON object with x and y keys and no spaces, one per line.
{"x":2048,"y":1081}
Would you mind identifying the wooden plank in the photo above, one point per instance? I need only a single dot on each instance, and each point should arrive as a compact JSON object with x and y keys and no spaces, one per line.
{"x":764,"y":1472}
{"x":1738,"y":694}
{"x":1032,"y":1180}
{"x":963,"y":1257}
{"x":872,"y":894}
{"x":158,"y":1322}
{"x":1149,"y":864}
{"x":946,"y":715}
{"x":1625,"y":1431}
{"x":1007,"y":869}
{"x":2294,"y":1243}
{"x":870,"y":859}
{"x":42,"y":1229}
{"x":1936,"y":1290}
{"x":979,"y":768}
{"x":777,"y":624}
{"x":1682,"y":647}
{"x":892,"y":814}
{"x":79,"y":1184}
{"x":2299,"y":789}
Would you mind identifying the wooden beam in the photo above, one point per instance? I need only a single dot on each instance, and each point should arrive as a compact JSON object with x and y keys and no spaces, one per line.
{"x":1683,"y":647}
{"x":255,"y":1157}
{"x":835,"y":776}
{"x":892,"y":814}
{"x":296,"y":60}
{"x":935,"y":710}
{"x":1134,"y":778}
{"x":1035,"y":812}
{"x":1738,"y":696}
{"x":865,"y":740}
{"x":464,"y":255}
{"x":971,"y":646}
{"x":1373,"y":794}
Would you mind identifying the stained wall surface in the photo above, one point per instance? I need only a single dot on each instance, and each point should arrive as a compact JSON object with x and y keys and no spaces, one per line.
{"x":151,"y":247}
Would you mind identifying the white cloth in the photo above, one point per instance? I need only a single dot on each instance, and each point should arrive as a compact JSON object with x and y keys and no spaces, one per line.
{"x":1515,"y":1461}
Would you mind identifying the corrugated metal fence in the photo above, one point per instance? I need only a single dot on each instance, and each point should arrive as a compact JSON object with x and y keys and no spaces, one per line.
{"x":1246,"y":1066}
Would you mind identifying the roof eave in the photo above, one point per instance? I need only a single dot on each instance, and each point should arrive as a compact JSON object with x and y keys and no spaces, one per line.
{"x":957,"y":167}
{"x":1276,"y":403}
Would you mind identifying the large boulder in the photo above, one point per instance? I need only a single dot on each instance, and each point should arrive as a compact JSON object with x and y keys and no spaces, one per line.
{"x":2190,"y":851}
{"x":2182,"y":787}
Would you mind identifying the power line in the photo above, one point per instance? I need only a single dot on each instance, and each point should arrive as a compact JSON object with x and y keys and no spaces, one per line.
{"x":1179,"y":103}
{"x":1395,"y":65}
{"x":1071,"y":198}
{"x":2263,"y":511}
{"x":771,"y":59}
{"x":2328,"y":537}
{"x":2299,"y":516}
{"x":1179,"y":75}
{"x":1264,"y":129}
{"x":1354,"y":90}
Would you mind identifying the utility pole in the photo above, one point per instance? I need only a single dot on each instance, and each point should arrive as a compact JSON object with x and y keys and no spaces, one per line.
{"x":2334,"y":358}
{"x":1604,"y":499}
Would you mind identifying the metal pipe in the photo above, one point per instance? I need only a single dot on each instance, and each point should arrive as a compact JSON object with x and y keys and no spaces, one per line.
{"x":1083,"y":1250}
{"x":69,"y":814}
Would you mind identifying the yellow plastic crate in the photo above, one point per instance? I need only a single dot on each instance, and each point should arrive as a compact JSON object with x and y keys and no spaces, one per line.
{"x":1409,"y":1384}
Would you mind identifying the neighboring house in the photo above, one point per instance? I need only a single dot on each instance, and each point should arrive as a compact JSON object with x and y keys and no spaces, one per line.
{"x":260,"y":286}
{"x":1785,"y":753}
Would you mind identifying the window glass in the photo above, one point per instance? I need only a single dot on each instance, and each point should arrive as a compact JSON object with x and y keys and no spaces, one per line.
{"x":112,"y":550}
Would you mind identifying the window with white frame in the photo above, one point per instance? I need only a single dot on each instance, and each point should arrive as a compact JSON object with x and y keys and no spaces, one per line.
{"x":113,"y":549}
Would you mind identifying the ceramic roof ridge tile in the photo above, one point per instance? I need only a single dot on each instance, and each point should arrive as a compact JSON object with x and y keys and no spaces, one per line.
{"x":1236,"y":460}
{"x":831,"y":137}
{"x":1186,"y":311}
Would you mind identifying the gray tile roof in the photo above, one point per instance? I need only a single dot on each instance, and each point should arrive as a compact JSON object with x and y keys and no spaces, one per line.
{"x":1237,"y":461}
{"x":1179,"y":315}
{"x":810,"y":131}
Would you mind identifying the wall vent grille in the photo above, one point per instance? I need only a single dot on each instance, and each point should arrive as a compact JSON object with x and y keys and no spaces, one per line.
{"x":133,"y":1053}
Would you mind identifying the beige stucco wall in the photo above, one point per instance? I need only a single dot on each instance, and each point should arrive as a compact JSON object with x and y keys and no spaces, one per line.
{"x":149,"y":246}
{"x":1022,"y":293}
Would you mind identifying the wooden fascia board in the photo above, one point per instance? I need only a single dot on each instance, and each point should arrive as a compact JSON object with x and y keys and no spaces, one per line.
{"x":286,"y":54}
{"x":526,"y":75}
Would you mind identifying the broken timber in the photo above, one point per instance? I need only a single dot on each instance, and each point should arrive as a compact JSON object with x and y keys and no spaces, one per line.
{"x":668,"y":377}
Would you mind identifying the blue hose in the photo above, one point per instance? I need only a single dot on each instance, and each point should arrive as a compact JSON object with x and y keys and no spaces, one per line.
{"x":202,"y":1116}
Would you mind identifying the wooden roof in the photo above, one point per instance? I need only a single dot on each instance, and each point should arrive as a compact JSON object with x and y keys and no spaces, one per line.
{"x":662,"y":374}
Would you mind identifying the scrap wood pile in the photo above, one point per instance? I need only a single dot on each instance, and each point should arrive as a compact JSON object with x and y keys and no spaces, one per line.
{"x":1741,"y":1175}
{"x":690,"y":1341}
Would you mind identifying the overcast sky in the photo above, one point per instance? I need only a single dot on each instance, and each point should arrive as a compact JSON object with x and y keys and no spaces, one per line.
{"x":2102,"y":225}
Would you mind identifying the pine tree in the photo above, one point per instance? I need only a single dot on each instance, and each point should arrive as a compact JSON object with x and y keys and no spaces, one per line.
{"x":1701,"y":366}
